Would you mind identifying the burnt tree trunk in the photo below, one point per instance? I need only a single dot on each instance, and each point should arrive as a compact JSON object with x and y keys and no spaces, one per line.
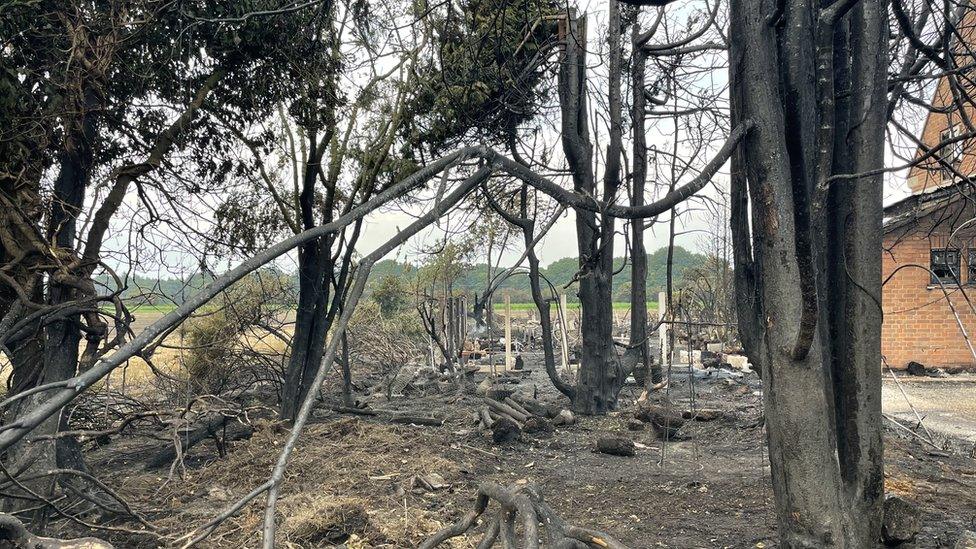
{"x":541,"y":304}
{"x":639,"y":343}
{"x":312,"y":317}
{"x":808,"y":279}
{"x":61,"y":337}
{"x":601,"y":375}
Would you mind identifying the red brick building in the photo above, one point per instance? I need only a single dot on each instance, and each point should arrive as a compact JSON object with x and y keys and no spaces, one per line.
{"x":929,"y":269}
{"x":929,"y":256}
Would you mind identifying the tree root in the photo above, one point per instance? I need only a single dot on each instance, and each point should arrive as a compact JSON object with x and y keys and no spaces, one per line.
{"x":523,"y":502}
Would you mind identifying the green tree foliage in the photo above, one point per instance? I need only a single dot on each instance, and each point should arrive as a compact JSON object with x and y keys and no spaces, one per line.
{"x":471,"y":278}
{"x":391,"y":293}
{"x":484,"y":72}
{"x":129,"y":63}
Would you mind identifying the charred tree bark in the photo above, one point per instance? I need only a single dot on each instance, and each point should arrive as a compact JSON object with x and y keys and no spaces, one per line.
{"x":812,"y":267}
{"x":61,"y":337}
{"x":312,"y":318}
{"x":854,"y":284}
{"x":600,"y":374}
{"x":639,"y":342}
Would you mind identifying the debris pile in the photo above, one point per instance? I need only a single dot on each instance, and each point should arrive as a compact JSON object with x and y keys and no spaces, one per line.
{"x":508,"y":415}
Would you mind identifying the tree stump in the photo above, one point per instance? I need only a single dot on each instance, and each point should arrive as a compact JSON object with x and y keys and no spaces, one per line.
{"x":616,"y":446}
{"x":665,"y":420}
{"x":505,"y":430}
{"x":900,"y":523}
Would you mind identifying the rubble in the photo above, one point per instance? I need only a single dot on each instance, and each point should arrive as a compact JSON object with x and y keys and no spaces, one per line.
{"x":565,"y":417}
{"x":916,"y":369}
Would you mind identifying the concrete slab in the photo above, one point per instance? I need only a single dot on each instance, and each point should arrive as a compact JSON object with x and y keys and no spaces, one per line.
{"x":947,"y":405}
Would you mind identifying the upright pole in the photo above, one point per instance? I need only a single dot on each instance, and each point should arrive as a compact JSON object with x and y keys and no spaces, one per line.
{"x":663,"y":329}
{"x":564,"y":331}
{"x":491,"y":337}
{"x":508,"y":333}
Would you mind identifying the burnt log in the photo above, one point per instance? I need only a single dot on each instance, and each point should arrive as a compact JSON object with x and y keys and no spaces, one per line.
{"x":665,"y":420}
{"x":537,"y":408}
{"x":216,"y":425}
{"x":505,"y":409}
{"x":616,"y":446}
{"x":518,"y":407}
{"x":505,"y":430}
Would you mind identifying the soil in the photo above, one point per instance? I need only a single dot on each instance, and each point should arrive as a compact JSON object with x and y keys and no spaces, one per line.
{"x":353,"y":479}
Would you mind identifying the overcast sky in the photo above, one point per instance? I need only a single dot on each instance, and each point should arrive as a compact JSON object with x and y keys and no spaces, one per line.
{"x":561,"y":240}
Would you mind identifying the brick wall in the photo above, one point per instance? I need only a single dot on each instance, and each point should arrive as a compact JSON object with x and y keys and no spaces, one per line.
{"x":928,"y":174}
{"x":918,"y":323}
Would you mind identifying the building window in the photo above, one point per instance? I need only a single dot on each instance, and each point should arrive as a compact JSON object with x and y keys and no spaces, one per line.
{"x":951,"y":152}
{"x":971,"y":266}
{"x":945,"y":265}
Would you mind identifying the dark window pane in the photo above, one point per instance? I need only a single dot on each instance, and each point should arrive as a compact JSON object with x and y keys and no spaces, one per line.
{"x":971,"y":266}
{"x":945,"y":265}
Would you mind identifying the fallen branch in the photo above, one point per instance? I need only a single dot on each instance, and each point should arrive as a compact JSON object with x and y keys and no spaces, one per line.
{"x":212,"y":425}
{"x":14,"y":534}
{"x":354,"y":411}
{"x":898,"y":424}
{"x":506,"y":410}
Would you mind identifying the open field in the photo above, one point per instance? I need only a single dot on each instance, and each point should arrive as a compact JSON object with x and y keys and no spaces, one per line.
{"x":499,"y":306}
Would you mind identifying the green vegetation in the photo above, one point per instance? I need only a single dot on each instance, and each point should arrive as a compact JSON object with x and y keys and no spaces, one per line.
{"x":473,"y":278}
{"x":391,"y":276}
{"x":161,"y":308}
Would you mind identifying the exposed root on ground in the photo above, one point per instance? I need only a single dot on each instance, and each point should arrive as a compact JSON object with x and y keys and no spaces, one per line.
{"x":526,"y":503}
{"x":13,"y":534}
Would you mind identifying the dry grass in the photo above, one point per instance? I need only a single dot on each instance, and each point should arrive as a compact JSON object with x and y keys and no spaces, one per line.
{"x":900,"y":485}
{"x":311,"y":519}
{"x":348,"y":481}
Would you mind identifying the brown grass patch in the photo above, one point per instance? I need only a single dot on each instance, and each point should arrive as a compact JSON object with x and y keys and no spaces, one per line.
{"x":348,"y":478}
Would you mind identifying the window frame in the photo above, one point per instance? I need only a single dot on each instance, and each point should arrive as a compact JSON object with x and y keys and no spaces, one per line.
{"x":971,"y":266}
{"x":936,"y":280}
{"x":955,"y":150}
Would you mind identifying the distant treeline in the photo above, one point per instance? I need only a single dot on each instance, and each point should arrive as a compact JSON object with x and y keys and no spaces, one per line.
{"x":151,"y":291}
